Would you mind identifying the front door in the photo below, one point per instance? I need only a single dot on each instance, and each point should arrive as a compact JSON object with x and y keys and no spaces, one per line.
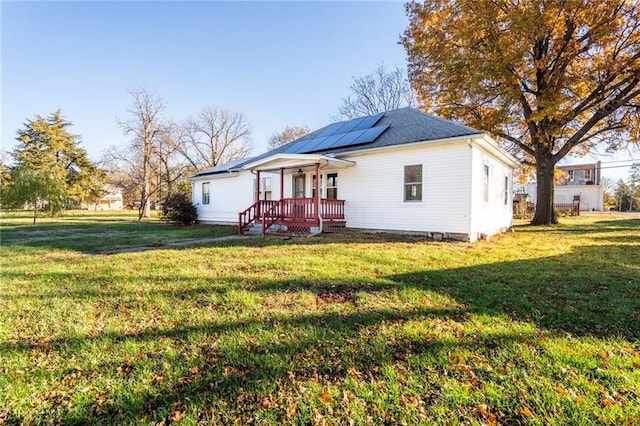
{"x":299,"y":186}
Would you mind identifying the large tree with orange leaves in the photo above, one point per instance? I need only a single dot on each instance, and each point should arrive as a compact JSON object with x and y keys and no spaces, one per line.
{"x":546,"y":77}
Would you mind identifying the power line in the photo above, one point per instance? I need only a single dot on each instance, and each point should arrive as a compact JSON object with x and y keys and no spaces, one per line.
{"x":618,"y":161}
{"x":617,"y":167}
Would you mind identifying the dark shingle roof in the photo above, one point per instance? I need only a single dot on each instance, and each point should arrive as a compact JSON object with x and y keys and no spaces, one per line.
{"x":407,"y":125}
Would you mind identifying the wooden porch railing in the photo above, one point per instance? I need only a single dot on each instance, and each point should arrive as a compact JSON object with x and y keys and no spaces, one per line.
{"x":271,"y":216}
{"x":332,"y":209}
{"x":253,"y":212}
{"x":269,"y":212}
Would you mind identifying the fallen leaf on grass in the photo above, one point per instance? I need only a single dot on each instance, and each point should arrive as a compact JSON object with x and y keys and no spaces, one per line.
{"x":325,"y":397}
{"x":527,"y":413}
{"x":177,"y":415}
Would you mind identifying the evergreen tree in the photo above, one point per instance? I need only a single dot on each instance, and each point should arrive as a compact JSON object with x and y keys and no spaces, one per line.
{"x":623,"y":196}
{"x":47,"y":148}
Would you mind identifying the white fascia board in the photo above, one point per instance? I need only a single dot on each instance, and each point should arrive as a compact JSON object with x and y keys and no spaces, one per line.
{"x":298,"y":158}
{"x":489,"y":144}
{"x":213,"y":176}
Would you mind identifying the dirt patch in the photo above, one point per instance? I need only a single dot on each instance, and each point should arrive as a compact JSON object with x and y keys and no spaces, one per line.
{"x":331,"y":295}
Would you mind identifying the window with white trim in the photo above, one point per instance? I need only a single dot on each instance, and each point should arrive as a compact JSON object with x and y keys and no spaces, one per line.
{"x":485,"y":183}
{"x":266,"y":190}
{"x":332,"y":186}
{"x":206,"y":197}
{"x":413,"y":182}
{"x":506,"y":190}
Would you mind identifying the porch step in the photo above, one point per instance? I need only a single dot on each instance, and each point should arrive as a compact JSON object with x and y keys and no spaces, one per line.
{"x":296,"y":227}
{"x":334,"y":226}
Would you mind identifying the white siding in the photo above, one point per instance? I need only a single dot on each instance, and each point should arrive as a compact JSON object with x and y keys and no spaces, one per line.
{"x":374,"y":189}
{"x":493,"y":215}
{"x":591,"y":196}
{"x":228,"y":196}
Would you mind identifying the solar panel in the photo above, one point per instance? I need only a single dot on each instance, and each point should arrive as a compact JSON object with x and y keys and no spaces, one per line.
{"x":370,"y":135}
{"x":331,"y":129}
{"x":347,"y":140}
{"x":368,"y":122}
{"x":332,"y":140}
{"x":337,"y":135}
{"x":300,"y":147}
{"x":349,"y":126}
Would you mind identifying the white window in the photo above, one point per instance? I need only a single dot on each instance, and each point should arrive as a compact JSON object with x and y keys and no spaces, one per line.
{"x":413,"y":183}
{"x":485,"y":190}
{"x":332,"y":186}
{"x":266,"y":185}
{"x":205,"y":193}
{"x":571,"y":176}
{"x":506,"y":190}
{"x":587,"y":174}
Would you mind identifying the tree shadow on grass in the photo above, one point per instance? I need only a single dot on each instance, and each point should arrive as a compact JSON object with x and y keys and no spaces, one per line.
{"x":319,"y":348}
{"x":581,"y":293}
{"x":591,"y":291}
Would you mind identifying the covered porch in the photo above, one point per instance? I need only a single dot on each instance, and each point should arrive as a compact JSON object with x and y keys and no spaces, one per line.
{"x":298,"y":212}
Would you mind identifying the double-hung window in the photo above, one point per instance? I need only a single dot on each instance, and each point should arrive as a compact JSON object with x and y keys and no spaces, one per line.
{"x":205,"y":193}
{"x":266,"y":188}
{"x":506,"y":190}
{"x":485,"y":183}
{"x":332,"y":186}
{"x":413,"y":182}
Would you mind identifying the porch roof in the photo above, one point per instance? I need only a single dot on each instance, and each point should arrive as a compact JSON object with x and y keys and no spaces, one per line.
{"x":276,"y":162}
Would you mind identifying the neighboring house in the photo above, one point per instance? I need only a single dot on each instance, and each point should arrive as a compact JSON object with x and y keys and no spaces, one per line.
{"x":111,"y":201}
{"x":580,"y":182}
{"x":401,"y":171}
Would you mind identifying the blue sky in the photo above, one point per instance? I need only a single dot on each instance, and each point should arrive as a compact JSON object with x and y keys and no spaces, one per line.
{"x":280,"y":63}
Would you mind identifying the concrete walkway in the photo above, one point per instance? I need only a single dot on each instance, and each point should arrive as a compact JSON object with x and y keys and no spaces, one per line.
{"x":177,"y":244}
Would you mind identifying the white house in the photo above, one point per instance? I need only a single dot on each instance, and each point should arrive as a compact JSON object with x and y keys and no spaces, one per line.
{"x":112,"y":200}
{"x":402,"y":171}
{"x":581,"y":183}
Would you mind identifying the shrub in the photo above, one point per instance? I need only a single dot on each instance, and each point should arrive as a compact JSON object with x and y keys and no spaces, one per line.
{"x":177,"y":209}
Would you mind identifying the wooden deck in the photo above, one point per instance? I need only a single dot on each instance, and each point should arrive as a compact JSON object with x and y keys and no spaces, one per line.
{"x":295,"y":213}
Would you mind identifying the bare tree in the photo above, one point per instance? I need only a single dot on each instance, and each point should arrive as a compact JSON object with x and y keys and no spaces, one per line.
{"x":172,"y":166}
{"x":216,"y":136}
{"x":124,"y":171}
{"x":379,"y":91}
{"x":145,"y":126}
{"x":286,"y":135}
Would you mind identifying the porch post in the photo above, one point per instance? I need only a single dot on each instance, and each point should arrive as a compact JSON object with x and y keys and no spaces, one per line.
{"x":258,"y":193}
{"x":318,"y":195}
{"x":281,"y":183}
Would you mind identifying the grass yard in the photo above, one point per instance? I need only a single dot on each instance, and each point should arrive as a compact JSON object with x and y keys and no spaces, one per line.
{"x":539,"y":326}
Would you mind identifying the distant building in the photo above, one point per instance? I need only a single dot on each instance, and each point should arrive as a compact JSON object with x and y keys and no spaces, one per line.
{"x":111,"y":201}
{"x":581,"y":182}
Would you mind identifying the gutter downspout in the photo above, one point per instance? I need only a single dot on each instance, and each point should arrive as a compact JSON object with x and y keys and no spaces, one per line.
{"x":318,"y":201}
{"x":470,"y":197}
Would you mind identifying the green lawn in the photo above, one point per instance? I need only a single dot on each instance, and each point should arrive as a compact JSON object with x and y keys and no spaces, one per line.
{"x":539,"y":326}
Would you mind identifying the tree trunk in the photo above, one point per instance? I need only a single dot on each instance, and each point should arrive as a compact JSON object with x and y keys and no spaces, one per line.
{"x":545,"y":208}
